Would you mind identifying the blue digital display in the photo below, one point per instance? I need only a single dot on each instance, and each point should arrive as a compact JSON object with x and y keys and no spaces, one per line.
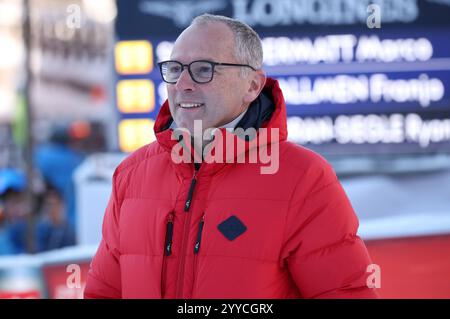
{"x":349,"y":87}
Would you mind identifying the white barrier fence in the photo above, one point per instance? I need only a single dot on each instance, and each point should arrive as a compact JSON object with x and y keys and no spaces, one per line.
{"x":58,"y":274}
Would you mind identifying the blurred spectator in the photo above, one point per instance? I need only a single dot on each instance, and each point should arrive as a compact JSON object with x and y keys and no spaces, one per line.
{"x":57,"y":161}
{"x":14,"y":216}
{"x":53,"y":230}
{"x":5,"y":243}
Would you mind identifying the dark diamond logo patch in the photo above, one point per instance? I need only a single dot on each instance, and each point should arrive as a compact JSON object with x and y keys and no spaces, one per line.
{"x":232,"y":228}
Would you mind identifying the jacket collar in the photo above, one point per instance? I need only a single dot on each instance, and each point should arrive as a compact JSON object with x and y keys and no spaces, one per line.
{"x":267,"y":111}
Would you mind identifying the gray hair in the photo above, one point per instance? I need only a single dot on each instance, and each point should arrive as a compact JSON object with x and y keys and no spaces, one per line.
{"x":248,"y":47}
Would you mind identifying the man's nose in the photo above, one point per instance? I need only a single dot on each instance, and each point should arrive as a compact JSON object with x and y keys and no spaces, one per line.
{"x":185,"y":82}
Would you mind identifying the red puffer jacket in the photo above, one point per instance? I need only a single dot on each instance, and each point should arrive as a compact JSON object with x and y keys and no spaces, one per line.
{"x":226,"y":230}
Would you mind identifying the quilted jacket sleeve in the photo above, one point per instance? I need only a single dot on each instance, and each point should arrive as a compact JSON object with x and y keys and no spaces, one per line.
{"x":104,"y":279}
{"x":325,"y":256}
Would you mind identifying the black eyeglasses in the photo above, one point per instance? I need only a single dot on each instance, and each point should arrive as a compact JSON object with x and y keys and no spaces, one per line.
{"x":201,"y":71}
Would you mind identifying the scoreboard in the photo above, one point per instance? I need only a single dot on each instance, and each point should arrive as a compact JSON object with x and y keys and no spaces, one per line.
{"x":349,"y":89}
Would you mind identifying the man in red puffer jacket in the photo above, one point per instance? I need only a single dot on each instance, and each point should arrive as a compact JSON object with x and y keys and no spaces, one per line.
{"x":227,"y":208}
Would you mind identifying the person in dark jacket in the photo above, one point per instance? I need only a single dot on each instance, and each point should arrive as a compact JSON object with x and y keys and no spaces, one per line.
{"x":52,"y":229}
{"x":221,"y":205}
{"x":14,"y":212}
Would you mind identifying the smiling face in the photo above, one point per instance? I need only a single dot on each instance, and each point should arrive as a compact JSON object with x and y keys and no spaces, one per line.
{"x":219,"y":101}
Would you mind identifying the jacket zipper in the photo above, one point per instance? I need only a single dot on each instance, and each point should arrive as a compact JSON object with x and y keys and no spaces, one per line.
{"x":167,"y":250}
{"x":188,"y":202}
{"x":187,"y":221}
{"x":197,"y":248}
{"x":199,"y":235}
{"x":169,"y":235}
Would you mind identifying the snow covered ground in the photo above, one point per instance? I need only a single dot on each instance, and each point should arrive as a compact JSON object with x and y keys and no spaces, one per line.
{"x":401,"y":205}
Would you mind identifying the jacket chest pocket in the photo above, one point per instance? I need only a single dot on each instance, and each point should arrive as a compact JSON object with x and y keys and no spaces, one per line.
{"x":143,"y":224}
{"x":244,"y":228}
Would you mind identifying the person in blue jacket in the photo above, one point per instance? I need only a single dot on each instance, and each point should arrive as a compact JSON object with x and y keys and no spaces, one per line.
{"x":57,"y":161}
{"x":13,"y":212}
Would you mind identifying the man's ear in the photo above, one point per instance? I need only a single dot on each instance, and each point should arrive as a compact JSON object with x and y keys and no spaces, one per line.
{"x":257,"y":80}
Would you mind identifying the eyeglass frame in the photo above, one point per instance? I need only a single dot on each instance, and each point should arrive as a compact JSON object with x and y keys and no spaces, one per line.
{"x":214,"y":64}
